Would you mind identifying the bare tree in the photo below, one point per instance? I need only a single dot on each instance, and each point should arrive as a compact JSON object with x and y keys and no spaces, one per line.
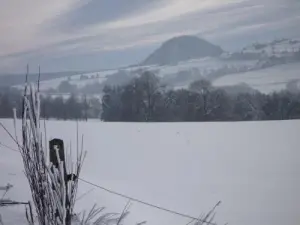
{"x":149,"y":87}
{"x":208,"y":98}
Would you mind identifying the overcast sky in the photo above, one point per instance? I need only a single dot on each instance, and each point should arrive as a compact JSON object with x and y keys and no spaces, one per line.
{"x":63,"y":35}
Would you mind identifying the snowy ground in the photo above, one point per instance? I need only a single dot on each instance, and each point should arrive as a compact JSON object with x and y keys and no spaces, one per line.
{"x":267,"y":80}
{"x":252,"y":167}
{"x":283,"y":47}
{"x":203,"y":65}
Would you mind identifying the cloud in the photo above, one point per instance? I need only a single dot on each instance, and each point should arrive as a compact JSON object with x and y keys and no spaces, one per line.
{"x":22,"y":22}
{"x":33,"y":30}
{"x":95,"y":12}
{"x":167,"y":10}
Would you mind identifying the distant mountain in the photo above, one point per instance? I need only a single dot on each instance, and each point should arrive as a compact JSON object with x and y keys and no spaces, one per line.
{"x":182,"y":48}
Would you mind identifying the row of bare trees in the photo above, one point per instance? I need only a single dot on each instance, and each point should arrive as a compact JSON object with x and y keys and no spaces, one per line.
{"x":146,"y":99}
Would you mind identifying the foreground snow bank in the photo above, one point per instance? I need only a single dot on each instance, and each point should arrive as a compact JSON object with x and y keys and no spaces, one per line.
{"x":252,"y":167}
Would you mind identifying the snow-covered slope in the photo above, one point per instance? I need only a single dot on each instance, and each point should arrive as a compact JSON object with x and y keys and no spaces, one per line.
{"x":252,"y":167}
{"x":201,"y":67}
{"x":279,"y":48}
{"x":235,"y":67}
{"x":267,"y":80}
{"x":79,"y":80}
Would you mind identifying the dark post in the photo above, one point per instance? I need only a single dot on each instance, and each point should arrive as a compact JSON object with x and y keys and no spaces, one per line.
{"x":59,"y":144}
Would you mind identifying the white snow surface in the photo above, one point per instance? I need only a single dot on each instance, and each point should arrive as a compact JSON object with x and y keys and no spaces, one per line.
{"x":283,"y":47}
{"x":252,"y":167}
{"x":203,"y":66}
{"x":268,"y":80}
{"x":272,"y":79}
{"x":74,"y":79}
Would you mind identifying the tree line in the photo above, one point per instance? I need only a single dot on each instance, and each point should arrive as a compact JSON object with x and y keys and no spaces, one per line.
{"x":146,"y":99}
{"x":72,"y":107}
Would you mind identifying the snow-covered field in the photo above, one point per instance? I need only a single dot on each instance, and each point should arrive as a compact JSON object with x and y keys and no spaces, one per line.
{"x":267,"y":80}
{"x":202,"y":66}
{"x":252,"y":167}
{"x":74,"y":79}
{"x":283,"y":47}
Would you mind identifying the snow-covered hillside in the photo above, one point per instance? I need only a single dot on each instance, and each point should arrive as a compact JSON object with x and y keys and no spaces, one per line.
{"x":267,"y":80}
{"x":187,"y":167}
{"x":280,"y":48}
{"x":229,"y":68}
{"x":79,"y":80}
{"x":202,"y":67}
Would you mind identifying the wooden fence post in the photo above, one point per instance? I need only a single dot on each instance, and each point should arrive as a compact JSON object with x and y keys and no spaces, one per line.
{"x":59,"y":144}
